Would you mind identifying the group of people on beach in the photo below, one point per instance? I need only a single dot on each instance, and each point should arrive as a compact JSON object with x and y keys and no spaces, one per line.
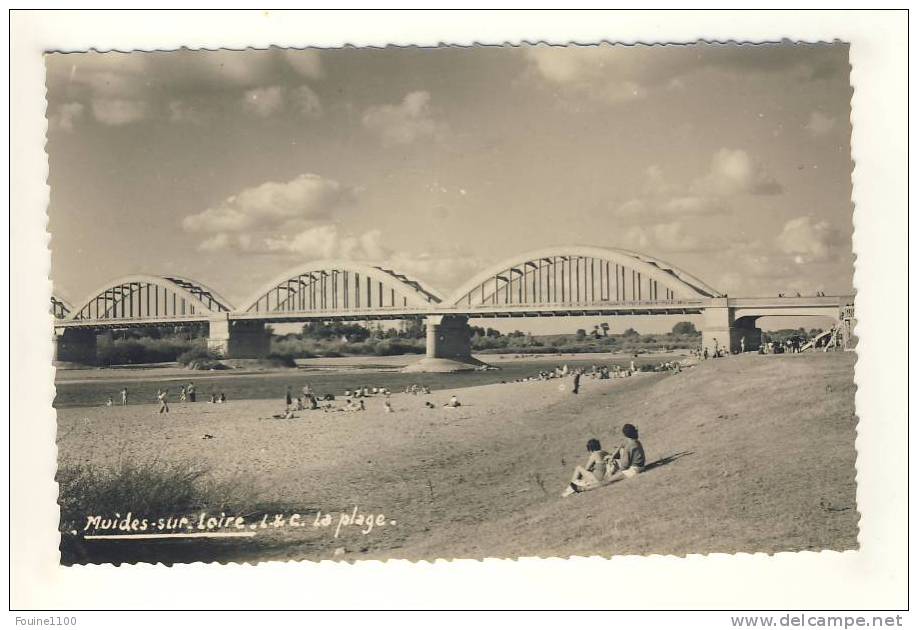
{"x":187,"y":393}
{"x":354,"y":400}
{"x":603,"y":467}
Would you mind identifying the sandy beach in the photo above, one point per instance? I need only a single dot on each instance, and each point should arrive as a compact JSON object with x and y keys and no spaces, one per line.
{"x":726,"y":442}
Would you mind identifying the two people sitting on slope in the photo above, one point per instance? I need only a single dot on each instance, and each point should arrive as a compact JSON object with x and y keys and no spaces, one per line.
{"x":603,"y":468}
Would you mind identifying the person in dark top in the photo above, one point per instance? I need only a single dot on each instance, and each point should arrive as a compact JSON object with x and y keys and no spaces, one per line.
{"x":576,"y":389}
{"x":630,"y":459}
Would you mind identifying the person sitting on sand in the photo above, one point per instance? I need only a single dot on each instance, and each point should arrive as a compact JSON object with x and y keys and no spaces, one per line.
{"x":213,"y":398}
{"x":299,"y":403}
{"x":223,"y":397}
{"x":593,"y":474}
{"x":453,"y":402}
{"x":388,"y":406}
{"x":429,"y":404}
{"x":629,"y":460}
{"x":109,"y":402}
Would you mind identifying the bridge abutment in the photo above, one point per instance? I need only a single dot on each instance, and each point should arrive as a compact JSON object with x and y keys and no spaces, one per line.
{"x":721,"y":330}
{"x":449,"y":346}
{"x":239,"y":339}
{"x":75,"y":345}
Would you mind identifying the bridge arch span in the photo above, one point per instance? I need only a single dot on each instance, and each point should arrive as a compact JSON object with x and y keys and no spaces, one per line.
{"x":579,"y":275}
{"x":60,"y":307}
{"x":340,"y":286}
{"x":145,"y":298}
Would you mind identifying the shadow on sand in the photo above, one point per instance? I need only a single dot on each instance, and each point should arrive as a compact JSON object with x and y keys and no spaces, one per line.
{"x":669,"y":459}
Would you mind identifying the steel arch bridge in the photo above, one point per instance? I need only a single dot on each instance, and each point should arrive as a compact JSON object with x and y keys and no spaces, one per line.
{"x":335,"y":288}
{"x":147,"y":299}
{"x":578,"y":279}
{"x":552,"y":282}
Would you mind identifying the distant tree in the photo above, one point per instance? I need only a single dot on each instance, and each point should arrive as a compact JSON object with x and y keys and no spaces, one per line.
{"x":581,"y":334}
{"x":605,"y":329}
{"x":684,"y":328}
{"x":630,"y":332}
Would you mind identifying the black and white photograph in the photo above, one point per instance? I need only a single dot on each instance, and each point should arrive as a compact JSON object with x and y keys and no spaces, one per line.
{"x":535,"y":300}
{"x":466,"y":303}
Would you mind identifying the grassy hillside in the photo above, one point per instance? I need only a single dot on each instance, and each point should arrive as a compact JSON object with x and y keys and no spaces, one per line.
{"x":755,"y":454}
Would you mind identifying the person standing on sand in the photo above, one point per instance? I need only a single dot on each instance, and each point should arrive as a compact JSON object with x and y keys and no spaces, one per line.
{"x":591,"y":475}
{"x":162,"y":396}
{"x":576,"y":389}
{"x":191,"y":392}
{"x":288,"y":398}
{"x":183,"y":394}
{"x":124,"y":396}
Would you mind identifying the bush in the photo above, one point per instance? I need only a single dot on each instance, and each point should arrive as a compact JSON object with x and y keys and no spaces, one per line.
{"x":150,"y":488}
{"x":140,"y":350}
{"x":200,"y":357}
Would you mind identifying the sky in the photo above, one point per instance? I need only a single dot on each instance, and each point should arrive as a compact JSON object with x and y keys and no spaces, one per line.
{"x":228,"y":167}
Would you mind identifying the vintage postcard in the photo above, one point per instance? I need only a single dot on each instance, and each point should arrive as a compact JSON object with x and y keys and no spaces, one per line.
{"x":487,"y":302}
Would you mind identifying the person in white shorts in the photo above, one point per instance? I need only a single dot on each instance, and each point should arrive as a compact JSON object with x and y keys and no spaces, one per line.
{"x":630,"y":460}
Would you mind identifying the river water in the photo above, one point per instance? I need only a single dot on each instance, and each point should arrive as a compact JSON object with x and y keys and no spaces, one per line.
{"x":273,"y":384}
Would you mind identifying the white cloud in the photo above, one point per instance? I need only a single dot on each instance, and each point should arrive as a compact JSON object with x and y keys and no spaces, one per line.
{"x":264,"y":101}
{"x":734,"y":172}
{"x":444,"y":271}
{"x":326,"y":241}
{"x":124,"y":85}
{"x":66,"y":115}
{"x":819,"y":124}
{"x":306,"y":102}
{"x":268,"y":101}
{"x":117,"y":112}
{"x":616,"y":73}
{"x":306,"y":62}
{"x":809,"y":241}
{"x":674,"y":237}
{"x":273,"y":205}
{"x":404,"y":123}
{"x":659,"y":198}
{"x":671,"y":236}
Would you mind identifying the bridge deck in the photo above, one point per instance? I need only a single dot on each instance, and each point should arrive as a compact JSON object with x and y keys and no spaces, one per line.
{"x":747,"y":306}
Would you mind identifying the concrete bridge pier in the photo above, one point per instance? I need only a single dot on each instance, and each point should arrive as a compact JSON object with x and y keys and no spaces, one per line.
{"x":449,"y":346}
{"x":722,"y":330}
{"x":75,"y":345}
{"x":238,"y":339}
